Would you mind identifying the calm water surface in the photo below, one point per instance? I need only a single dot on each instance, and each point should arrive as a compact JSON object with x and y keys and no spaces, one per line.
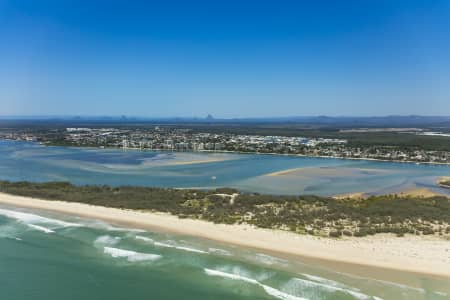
{"x":51,"y":257}
{"x":248,"y":172}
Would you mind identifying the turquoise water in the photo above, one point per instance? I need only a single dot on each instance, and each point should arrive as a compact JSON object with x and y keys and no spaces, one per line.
{"x":52,"y":256}
{"x":248,"y":172}
{"x":49,"y":256}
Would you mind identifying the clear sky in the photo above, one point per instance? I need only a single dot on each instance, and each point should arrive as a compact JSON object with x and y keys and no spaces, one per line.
{"x":227,"y":58}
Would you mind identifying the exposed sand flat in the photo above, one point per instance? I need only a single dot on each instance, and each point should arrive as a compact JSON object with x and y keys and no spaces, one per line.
{"x":191,"y":162}
{"x":413,"y":192}
{"x":351,"y":196}
{"x":442,"y":179}
{"x":285,"y":172}
{"x":327,"y":171}
{"x":420,"y":192}
{"x":427,"y":255}
{"x":190,"y":159}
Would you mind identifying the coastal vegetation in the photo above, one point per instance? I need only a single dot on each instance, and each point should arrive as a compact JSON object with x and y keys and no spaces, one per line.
{"x":304,"y":214}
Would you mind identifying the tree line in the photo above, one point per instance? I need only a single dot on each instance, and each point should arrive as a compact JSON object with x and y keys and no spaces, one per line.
{"x":304,"y":214}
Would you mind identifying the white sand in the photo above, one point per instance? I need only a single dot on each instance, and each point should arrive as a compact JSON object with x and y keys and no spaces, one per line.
{"x":427,"y":255}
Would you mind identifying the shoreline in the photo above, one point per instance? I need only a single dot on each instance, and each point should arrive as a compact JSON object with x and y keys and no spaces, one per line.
{"x":250,"y":153}
{"x":443,"y":179}
{"x":411,"y":192}
{"x":422,"y":255}
{"x":285,"y":154}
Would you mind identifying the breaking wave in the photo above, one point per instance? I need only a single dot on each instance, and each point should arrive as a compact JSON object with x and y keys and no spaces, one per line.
{"x":219,"y":251}
{"x":267,"y":259}
{"x":143,"y":238}
{"x":107,"y":240}
{"x":189,"y":249}
{"x":165,"y":245}
{"x":269,"y":290}
{"x":323,"y":280}
{"x":114,"y":228}
{"x":28,"y":218}
{"x":331,"y":288}
{"x":394,"y":284}
{"x":40,"y":228}
{"x":297,"y":286}
{"x":131,"y":256}
{"x":97,"y":224}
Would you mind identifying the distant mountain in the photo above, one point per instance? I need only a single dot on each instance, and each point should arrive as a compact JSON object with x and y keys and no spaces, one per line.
{"x":322,"y":121}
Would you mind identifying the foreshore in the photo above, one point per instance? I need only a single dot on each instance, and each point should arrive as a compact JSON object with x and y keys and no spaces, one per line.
{"x":441,"y":180}
{"x":304,"y":155}
{"x":425,"y":255}
{"x":275,"y":153}
{"x":412,"y":192}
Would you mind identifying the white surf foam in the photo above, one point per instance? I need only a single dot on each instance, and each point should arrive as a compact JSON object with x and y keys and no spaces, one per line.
{"x":279,"y":294}
{"x":105,"y":226}
{"x":331,"y":288}
{"x":114,"y":228}
{"x":107,"y":240}
{"x":13,"y":238}
{"x":395,"y":284}
{"x":268,"y":260}
{"x":212,"y":272}
{"x":32,"y":218}
{"x":402,"y":286}
{"x":41,"y":228}
{"x":269,"y":290}
{"x":324,"y":280}
{"x":332,"y":283}
{"x":132,"y":256}
{"x":219,"y":251}
{"x":166,"y":245}
{"x":189,"y":249}
{"x":144,"y":238}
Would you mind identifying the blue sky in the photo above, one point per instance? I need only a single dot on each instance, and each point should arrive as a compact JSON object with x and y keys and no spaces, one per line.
{"x":227,"y":58}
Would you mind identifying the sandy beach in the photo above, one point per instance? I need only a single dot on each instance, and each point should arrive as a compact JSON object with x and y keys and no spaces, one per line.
{"x":427,"y":255}
{"x":421,"y":192}
{"x":411,"y":192}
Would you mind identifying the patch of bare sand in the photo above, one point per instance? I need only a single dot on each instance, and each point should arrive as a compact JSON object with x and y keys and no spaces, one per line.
{"x":420,"y":192}
{"x":358,"y":195}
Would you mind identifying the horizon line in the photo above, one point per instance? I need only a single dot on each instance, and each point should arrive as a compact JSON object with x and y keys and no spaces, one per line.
{"x":211,"y":117}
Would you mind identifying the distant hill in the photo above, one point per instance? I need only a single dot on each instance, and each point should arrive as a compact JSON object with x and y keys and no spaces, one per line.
{"x":321,"y":121}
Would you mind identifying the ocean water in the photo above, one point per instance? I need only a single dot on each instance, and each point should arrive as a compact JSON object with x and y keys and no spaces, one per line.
{"x":47,"y":256}
{"x":248,"y":172}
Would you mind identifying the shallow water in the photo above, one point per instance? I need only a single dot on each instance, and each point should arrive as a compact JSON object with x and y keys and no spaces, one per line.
{"x":248,"y":172}
{"x":52,"y":256}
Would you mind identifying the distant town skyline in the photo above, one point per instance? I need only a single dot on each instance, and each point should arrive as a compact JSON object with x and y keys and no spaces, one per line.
{"x":231,"y":59}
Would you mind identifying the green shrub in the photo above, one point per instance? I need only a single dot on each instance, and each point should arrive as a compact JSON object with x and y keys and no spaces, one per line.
{"x":335,"y":234}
